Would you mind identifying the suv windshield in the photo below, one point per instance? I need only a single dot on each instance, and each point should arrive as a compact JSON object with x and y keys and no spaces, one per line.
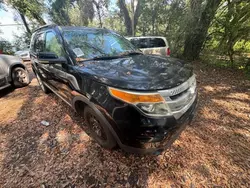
{"x":91,"y":44}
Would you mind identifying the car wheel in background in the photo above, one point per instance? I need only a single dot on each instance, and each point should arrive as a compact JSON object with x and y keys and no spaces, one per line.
{"x":20,"y":77}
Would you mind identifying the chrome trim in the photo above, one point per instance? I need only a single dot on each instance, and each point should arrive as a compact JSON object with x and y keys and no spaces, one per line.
{"x":178,"y":89}
{"x":178,"y":114}
{"x":183,"y":102}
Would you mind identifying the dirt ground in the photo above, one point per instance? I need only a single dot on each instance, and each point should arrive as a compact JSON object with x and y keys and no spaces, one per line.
{"x":213,"y":152}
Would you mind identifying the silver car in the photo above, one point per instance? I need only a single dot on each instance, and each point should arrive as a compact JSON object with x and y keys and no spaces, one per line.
{"x":12,"y":72}
{"x":23,"y":54}
{"x":151,"y":45}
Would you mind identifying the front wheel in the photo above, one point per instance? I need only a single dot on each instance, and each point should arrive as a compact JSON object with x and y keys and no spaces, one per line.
{"x":98,"y":130}
{"x":20,"y":77}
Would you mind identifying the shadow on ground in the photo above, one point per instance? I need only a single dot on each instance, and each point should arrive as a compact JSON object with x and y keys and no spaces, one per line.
{"x":62,"y":154}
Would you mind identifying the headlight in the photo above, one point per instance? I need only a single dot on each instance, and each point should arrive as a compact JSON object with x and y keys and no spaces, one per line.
{"x":149,"y":103}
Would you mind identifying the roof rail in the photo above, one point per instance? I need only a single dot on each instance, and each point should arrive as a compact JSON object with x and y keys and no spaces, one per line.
{"x":44,"y":26}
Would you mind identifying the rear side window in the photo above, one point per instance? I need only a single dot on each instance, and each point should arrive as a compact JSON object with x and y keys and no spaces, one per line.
{"x":139,"y":43}
{"x":148,"y":42}
{"x":52,"y":44}
{"x":39,"y":43}
{"x":156,"y":43}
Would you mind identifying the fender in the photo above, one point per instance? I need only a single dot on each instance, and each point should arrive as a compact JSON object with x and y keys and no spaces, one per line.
{"x":80,"y":97}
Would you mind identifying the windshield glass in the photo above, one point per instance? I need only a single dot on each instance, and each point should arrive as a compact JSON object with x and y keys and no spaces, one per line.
{"x":91,"y":44}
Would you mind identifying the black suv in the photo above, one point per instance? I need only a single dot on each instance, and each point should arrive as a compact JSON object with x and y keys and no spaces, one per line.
{"x":140,"y":102}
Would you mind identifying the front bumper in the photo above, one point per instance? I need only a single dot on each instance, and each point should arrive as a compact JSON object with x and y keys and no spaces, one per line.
{"x":158,"y":137}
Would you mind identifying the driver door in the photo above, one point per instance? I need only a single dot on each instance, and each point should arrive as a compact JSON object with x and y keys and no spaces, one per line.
{"x":58,"y":71}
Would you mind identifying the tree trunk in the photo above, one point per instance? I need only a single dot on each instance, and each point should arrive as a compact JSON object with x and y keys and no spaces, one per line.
{"x":153,"y":23}
{"x":25,"y":23}
{"x":127,"y":19}
{"x":99,"y":13}
{"x":199,"y":26}
{"x":137,"y":14}
{"x":231,"y":52}
{"x":38,"y":18}
{"x":133,"y":17}
{"x":154,"y":15}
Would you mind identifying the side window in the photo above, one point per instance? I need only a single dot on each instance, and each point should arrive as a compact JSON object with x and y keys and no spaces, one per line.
{"x":156,"y":42}
{"x":140,"y":42}
{"x":39,"y":43}
{"x":52,"y":44}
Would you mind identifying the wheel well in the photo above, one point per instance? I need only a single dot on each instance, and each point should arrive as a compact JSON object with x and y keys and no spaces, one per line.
{"x":79,"y":106}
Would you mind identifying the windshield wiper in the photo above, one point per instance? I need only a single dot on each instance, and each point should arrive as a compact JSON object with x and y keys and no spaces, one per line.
{"x":101,"y":57}
{"x":106,"y":56}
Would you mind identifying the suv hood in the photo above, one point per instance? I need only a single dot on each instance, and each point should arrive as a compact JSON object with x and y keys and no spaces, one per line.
{"x":138,"y":72}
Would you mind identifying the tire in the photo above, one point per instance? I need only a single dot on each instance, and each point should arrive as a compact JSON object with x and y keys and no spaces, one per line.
{"x":20,"y":77}
{"x":103,"y":136}
{"x":45,"y":89}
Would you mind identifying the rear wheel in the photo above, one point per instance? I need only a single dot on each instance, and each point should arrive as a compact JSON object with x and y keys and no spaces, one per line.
{"x":98,"y":130}
{"x":20,"y":77}
{"x":43,"y":87}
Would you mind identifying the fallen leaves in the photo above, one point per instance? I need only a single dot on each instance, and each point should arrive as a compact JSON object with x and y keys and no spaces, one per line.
{"x":214,"y":151}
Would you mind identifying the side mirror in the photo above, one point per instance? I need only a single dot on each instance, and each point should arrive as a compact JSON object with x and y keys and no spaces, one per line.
{"x":50,"y":58}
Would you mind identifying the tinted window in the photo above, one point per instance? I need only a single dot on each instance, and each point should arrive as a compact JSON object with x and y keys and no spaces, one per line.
{"x":140,"y":43}
{"x":156,"y":42}
{"x":89,"y":44}
{"x":148,"y":42}
{"x":52,"y":44}
{"x":39,"y":43}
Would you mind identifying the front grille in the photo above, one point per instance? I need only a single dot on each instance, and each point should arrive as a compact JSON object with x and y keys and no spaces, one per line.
{"x":180,"y":98}
{"x":174,"y":97}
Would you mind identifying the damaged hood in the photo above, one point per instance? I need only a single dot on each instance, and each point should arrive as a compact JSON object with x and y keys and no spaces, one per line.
{"x":138,"y":72}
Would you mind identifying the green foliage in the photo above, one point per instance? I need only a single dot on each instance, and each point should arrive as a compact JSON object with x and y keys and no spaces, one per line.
{"x":229,"y":33}
{"x":72,"y":12}
{"x":6,"y":47}
{"x":21,"y":42}
{"x":59,"y":12}
{"x":33,"y":9}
